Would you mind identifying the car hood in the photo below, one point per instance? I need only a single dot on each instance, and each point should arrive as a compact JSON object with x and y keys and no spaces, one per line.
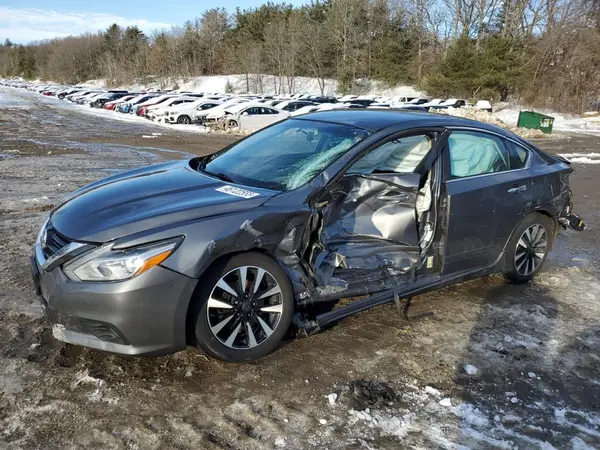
{"x":147,"y":198}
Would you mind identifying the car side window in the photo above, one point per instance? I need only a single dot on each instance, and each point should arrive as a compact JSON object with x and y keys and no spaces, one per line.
{"x":251,"y":111}
{"x":267,"y":111}
{"x":474,"y":153}
{"x":517,"y":154}
{"x":397,"y":156}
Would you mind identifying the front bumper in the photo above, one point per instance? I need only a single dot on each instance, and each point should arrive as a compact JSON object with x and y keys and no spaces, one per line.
{"x":142,"y":316}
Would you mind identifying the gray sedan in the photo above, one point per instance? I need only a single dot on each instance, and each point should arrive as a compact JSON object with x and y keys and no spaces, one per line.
{"x":225,"y":252}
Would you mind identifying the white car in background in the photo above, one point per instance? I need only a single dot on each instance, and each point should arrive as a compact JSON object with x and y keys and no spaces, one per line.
{"x":159,"y":111}
{"x":484,"y":105}
{"x":306,"y":109}
{"x":434,"y":102}
{"x":190,"y":112}
{"x":219,"y":111}
{"x":252,"y":116}
{"x":80,"y":100}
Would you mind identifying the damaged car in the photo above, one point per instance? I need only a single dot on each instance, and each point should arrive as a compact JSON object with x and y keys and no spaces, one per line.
{"x":226,"y":252}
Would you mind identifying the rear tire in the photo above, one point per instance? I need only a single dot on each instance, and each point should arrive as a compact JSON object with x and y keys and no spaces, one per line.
{"x":235,"y":323}
{"x":528,"y":248}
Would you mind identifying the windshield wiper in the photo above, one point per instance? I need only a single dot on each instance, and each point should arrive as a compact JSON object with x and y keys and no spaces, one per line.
{"x":219,"y":175}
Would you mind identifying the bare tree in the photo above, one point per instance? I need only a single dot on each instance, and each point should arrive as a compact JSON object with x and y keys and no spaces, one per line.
{"x":315,"y":51}
{"x":214,"y":25}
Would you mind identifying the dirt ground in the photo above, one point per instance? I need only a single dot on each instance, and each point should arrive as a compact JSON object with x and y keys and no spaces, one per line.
{"x":482,"y":364}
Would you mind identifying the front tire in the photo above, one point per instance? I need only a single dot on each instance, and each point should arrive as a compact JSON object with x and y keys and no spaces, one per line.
{"x":244,"y":308}
{"x":232,"y":124}
{"x":184,"y":120}
{"x":528,"y":248}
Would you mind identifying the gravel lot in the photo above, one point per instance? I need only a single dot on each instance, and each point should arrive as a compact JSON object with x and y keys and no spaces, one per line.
{"x":482,"y":364}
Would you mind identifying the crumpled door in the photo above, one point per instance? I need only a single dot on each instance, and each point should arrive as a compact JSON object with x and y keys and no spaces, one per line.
{"x":369,"y":230}
{"x":368,"y":238}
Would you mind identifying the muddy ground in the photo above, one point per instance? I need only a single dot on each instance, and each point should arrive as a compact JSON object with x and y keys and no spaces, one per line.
{"x":483,"y":364}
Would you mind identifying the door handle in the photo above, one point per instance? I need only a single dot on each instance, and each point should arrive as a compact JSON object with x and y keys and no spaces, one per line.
{"x":516,"y":190}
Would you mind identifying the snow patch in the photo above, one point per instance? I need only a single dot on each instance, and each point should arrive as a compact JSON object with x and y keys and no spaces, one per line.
{"x":332,"y":398}
{"x":470,"y":369}
{"x":582,"y":158}
{"x":445,"y":402}
{"x":84,"y":377}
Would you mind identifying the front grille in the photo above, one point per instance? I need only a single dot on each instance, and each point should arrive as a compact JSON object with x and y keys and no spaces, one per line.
{"x":54,"y":241}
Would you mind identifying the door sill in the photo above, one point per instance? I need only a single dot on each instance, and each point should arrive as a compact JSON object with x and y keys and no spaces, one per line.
{"x":421,"y":286}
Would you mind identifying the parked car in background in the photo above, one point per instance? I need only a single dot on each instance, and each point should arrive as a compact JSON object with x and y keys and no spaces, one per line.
{"x":362,"y":101}
{"x":127,"y":107}
{"x":434,"y":102}
{"x":188,"y":113}
{"x":66,"y":92}
{"x":159,"y":111}
{"x":292,"y":105}
{"x":76,"y":94}
{"x":451,"y":103}
{"x":101,"y":100}
{"x":111,"y":105}
{"x":398,"y":100}
{"x":140,"y":108}
{"x":484,"y":105}
{"x":418,"y":101}
{"x":218,"y":112}
{"x":307,"y":109}
{"x":87,"y":99}
{"x":322,"y":99}
{"x":252,"y":116}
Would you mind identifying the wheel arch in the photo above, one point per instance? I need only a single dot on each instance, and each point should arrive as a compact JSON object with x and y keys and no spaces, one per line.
{"x":542,"y":212}
{"x":219,"y":261}
{"x":551,"y":216}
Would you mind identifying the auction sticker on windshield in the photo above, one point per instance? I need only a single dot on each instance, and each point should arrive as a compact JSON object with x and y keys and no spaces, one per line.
{"x":237,"y":191}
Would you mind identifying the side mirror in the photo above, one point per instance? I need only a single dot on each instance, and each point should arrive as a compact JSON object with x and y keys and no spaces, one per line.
{"x":245,"y":113}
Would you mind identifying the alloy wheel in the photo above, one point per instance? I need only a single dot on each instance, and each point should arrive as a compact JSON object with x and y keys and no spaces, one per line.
{"x":531,"y":249}
{"x":244,"y":307}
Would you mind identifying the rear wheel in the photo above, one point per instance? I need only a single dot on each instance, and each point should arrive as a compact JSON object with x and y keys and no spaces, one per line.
{"x":244,"y":308}
{"x":528,"y":248}
{"x":184,"y":120}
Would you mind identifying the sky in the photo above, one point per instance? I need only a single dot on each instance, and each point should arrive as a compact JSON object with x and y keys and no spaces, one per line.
{"x":23,"y":21}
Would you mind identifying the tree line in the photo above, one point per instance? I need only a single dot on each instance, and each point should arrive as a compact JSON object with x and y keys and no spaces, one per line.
{"x":542,"y":52}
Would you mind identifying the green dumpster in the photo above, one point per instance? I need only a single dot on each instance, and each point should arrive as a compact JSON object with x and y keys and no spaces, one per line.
{"x":535,"y":121}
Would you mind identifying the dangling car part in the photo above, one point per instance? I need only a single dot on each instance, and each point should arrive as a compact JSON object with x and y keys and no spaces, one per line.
{"x":223,"y":252}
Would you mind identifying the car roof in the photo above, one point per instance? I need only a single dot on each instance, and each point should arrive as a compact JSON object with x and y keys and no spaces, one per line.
{"x":378,"y":119}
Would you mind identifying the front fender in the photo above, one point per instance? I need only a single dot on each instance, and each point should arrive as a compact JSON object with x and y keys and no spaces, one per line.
{"x":279,"y":233}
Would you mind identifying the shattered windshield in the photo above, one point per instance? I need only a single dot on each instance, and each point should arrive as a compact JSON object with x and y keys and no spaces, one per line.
{"x":285,"y":156}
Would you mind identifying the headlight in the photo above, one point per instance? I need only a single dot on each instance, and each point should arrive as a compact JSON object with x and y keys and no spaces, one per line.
{"x":106,"y":264}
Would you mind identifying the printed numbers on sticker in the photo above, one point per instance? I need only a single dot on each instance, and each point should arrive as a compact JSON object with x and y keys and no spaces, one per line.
{"x":238,"y":192}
